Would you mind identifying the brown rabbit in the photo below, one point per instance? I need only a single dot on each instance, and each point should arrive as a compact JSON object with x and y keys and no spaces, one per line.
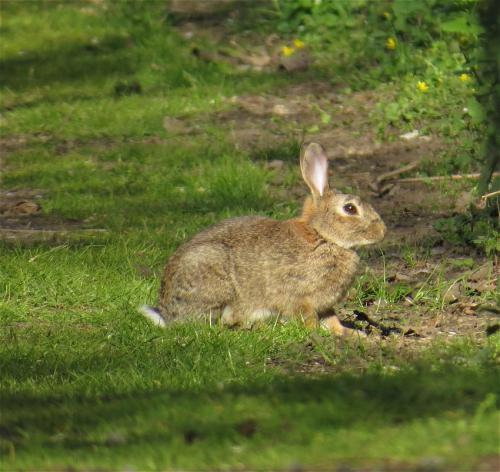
{"x":246,"y":269}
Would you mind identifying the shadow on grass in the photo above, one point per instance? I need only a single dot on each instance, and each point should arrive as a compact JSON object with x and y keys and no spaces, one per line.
{"x":282,"y":407}
{"x":68,"y":62}
{"x":288,"y":152}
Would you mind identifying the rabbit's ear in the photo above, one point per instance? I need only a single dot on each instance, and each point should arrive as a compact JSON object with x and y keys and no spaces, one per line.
{"x":314,"y":167}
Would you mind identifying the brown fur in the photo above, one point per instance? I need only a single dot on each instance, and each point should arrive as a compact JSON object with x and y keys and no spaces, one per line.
{"x":250,"y":267}
{"x":301,"y":227}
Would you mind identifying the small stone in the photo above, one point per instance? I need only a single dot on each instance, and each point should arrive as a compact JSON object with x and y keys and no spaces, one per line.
{"x":452,"y":294}
{"x":276,"y":164}
{"x":411,"y":135}
{"x":115,"y":439}
{"x":281,"y":110}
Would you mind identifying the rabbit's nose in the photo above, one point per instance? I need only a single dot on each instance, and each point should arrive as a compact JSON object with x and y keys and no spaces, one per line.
{"x":383,"y":228}
{"x":378,"y":229}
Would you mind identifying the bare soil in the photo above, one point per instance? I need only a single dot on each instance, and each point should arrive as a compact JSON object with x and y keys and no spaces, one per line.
{"x":22,"y":221}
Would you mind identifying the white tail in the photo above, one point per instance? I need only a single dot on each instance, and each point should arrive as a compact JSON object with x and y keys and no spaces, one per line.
{"x":153,"y":315}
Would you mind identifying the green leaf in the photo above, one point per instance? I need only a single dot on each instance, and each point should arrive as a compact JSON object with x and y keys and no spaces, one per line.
{"x":476,"y":111}
{"x":393,"y":111}
{"x":463,"y":24}
{"x":325,"y":118}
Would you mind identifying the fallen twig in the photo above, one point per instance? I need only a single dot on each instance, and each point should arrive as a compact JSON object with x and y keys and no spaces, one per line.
{"x":482,"y":201}
{"x":378,"y":186}
{"x":384,"y":182}
{"x":36,"y":235}
{"x":489,"y":195}
{"x":382,"y":177}
{"x":441,"y":177}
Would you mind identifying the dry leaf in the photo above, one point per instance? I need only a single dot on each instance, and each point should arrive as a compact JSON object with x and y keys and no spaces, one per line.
{"x":281,"y":110}
{"x":24,"y":208}
{"x":452,"y":294}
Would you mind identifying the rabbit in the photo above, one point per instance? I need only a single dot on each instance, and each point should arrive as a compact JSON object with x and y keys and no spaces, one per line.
{"x":249,"y":268}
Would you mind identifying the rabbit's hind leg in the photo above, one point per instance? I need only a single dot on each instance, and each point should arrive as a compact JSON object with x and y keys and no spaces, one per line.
{"x":304,"y":310}
{"x":333,"y":325}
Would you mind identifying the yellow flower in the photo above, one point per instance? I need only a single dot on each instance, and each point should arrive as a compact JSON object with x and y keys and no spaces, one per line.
{"x":386,"y":14}
{"x":298,"y":43}
{"x":391,"y":43}
{"x":287,"y":51}
{"x":422,"y":86}
{"x":465,"y":78}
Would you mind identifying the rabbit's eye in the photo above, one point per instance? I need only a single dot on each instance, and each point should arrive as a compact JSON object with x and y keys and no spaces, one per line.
{"x":350,"y":209}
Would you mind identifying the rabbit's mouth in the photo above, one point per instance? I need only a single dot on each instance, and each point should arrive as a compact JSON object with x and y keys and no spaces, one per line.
{"x":376,"y":232}
{"x":372,"y":235}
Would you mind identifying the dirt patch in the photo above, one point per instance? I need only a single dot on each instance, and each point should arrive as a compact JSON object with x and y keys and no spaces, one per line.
{"x":13,"y":143}
{"x":60,"y":145}
{"x":22,"y":221}
{"x":317,"y":111}
{"x":446,"y":291}
{"x":320,"y":112}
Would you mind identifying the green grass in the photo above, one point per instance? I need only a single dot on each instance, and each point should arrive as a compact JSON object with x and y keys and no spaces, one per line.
{"x":85,"y":381}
